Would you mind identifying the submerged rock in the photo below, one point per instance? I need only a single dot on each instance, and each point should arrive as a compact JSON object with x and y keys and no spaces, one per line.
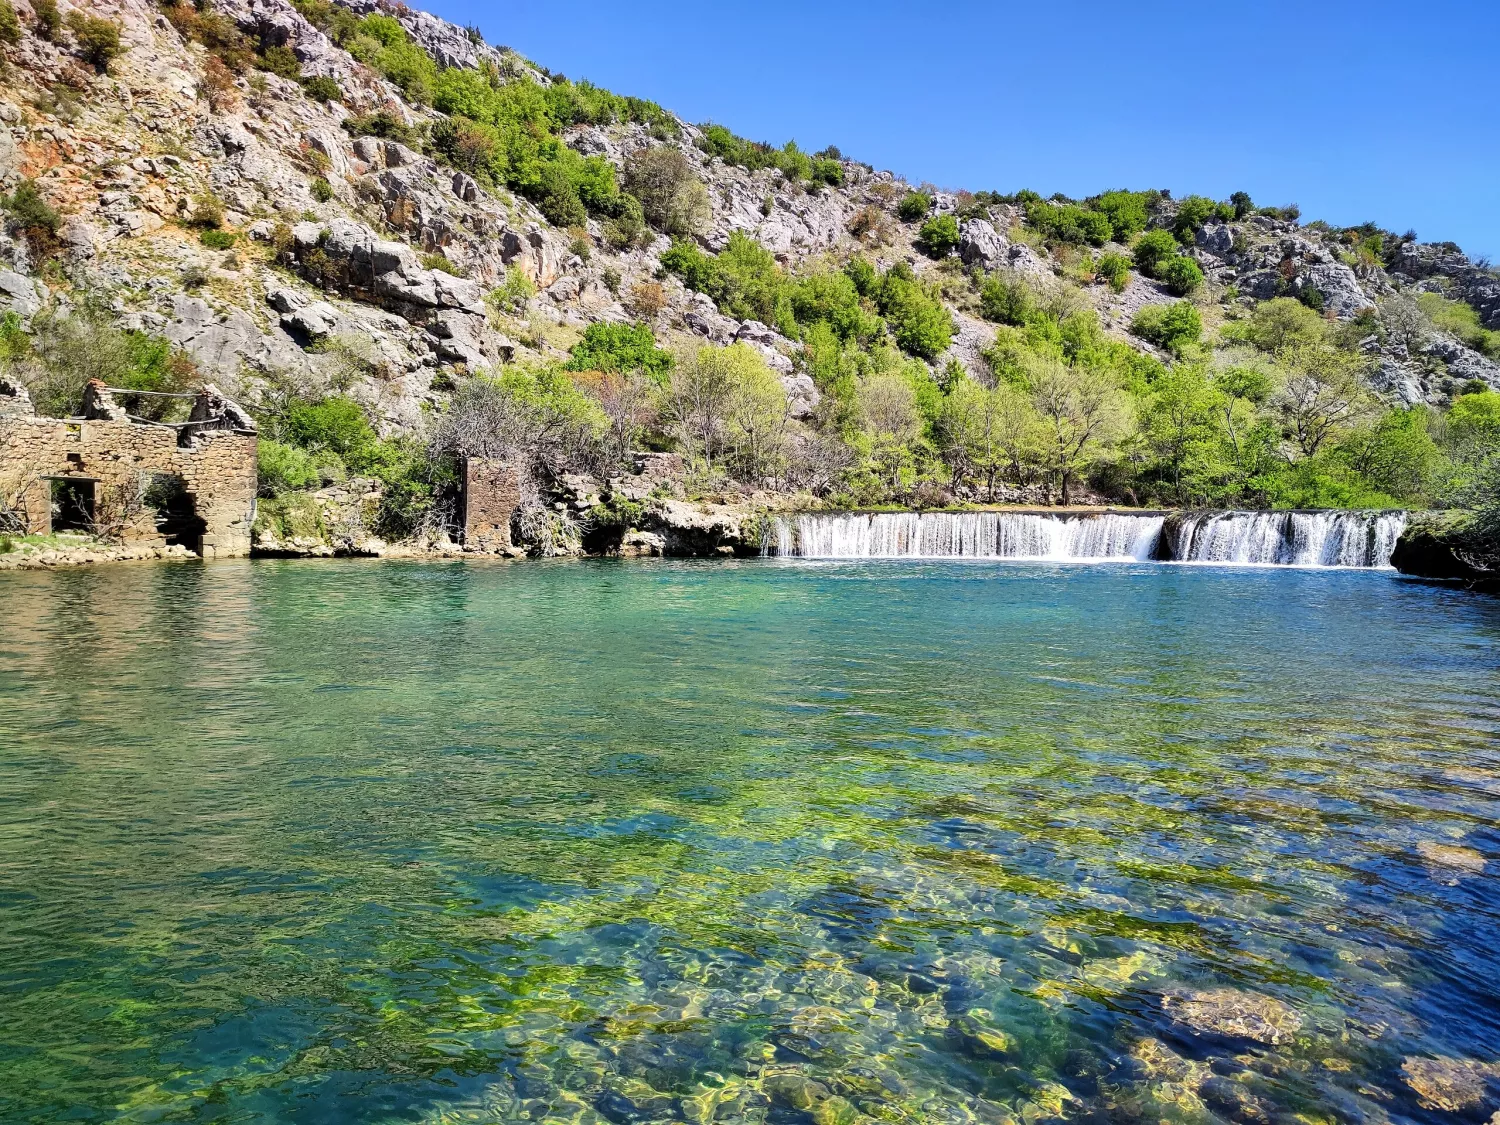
{"x":1453,"y":857}
{"x":1448,"y":1084}
{"x":1234,"y":1014}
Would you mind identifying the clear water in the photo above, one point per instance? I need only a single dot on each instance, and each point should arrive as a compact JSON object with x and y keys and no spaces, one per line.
{"x":741,"y":842}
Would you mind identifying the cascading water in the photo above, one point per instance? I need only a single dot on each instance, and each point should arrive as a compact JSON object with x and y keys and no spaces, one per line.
{"x":1335,"y":539}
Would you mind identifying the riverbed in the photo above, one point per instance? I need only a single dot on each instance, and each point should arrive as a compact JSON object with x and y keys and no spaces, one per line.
{"x":746,"y":841}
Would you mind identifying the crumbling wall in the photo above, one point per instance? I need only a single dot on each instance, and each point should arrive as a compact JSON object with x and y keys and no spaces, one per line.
{"x":492,"y":493}
{"x":216,"y":468}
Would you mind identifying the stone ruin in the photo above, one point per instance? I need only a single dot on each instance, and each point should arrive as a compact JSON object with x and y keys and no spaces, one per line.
{"x":190,"y":483}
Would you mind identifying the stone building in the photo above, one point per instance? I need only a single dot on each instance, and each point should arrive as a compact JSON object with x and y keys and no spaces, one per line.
{"x":491,"y":495}
{"x":191,"y":483}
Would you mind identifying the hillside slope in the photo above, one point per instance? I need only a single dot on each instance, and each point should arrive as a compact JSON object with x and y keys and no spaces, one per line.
{"x":268,"y":187}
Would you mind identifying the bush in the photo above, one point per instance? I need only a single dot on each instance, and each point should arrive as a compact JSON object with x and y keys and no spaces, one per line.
{"x":320,"y":189}
{"x":511,"y":295}
{"x":1173,"y":326}
{"x":920,"y":323}
{"x":383,"y":124}
{"x":790,"y":160}
{"x":98,"y":39}
{"x":217,"y":239}
{"x":335,"y":424}
{"x":627,"y":229}
{"x":827,"y":171}
{"x":1195,"y":210}
{"x":913,"y":206}
{"x":283,"y":468}
{"x":322,"y":88}
{"x":646,"y":299}
{"x":280,"y":61}
{"x":1283,"y":322}
{"x":1127,"y":211}
{"x":1113,"y":269}
{"x":1151,"y":248}
{"x":1006,"y":299}
{"x":30,"y":211}
{"x":672,"y":197}
{"x":48,"y":19}
{"x":1069,"y":223}
{"x":744,"y":281}
{"x":1180,"y":274}
{"x":10,"y":26}
{"x":939,"y":236}
{"x":618,"y":349}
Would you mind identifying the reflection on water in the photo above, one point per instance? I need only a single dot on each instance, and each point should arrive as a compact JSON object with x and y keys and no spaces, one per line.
{"x":611,"y":842}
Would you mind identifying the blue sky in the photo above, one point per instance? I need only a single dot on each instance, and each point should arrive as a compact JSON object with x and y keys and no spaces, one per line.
{"x":1377,"y":110}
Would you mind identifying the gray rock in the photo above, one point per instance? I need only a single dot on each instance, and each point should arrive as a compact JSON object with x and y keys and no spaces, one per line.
{"x":19,"y":293}
{"x":1215,"y":238}
{"x":979,"y":243}
{"x":312,"y":322}
{"x":1342,"y":294}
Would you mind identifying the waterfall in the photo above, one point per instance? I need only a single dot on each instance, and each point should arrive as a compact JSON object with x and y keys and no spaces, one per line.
{"x":965,"y":535}
{"x":1333,"y":539}
{"x":1350,"y":539}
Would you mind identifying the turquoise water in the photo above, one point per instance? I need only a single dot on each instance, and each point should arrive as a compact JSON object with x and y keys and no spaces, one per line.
{"x":745,"y":842}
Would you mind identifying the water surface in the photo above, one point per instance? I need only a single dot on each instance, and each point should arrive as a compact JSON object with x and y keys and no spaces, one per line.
{"x":741,"y":842}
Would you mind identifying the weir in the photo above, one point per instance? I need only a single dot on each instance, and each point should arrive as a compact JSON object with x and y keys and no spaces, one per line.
{"x":1313,"y":539}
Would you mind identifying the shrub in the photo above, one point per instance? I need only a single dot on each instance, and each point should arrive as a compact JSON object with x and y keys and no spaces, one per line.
{"x":1113,"y":269}
{"x":511,"y":295}
{"x":672,"y":197}
{"x":281,"y":61}
{"x":1151,"y":248}
{"x":646,"y":299}
{"x":790,"y":160}
{"x":1069,"y":223}
{"x":1006,"y":299}
{"x":10,"y":26}
{"x":1127,"y":212}
{"x":30,"y":210}
{"x":217,"y":239}
{"x":1283,"y":322}
{"x":383,"y":124}
{"x":920,"y":323}
{"x":1180,"y":274}
{"x":1195,"y":210}
{"x":627,"y":229}
{"x":281,"y":468}
{"x":1461,"y":320}
{"x":1173,"y":326}
{"x":440,"y":261}
{"x":322,"y":88}
{"x":939,"y":236}
{"x":48,"y":19}
{"x":1242,"y":204}
{"x":208,"y":211}
{"x":620,"y":348}
{"x":827,"y":171}
{"x":217,"y":85}
{"x":98,"y":39}
{"x":321,"y":189}
{"x":913,"y":206}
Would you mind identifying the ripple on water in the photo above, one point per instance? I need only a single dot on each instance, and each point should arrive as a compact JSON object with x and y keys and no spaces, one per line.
{"x":756,"y":842}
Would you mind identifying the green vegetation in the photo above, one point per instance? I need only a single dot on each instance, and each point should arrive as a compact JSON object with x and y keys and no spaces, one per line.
{"x":1180,"y":274}
{"x":1173,"y":327}
{"x":61,"y":352}
{"x":789,"y":160}
{"x":217,"y":239}
{"x":1113,"y":269}
{"x":620,"y":348}
{"x":10,"y":24}
{"x":914,"y":205}
{"x":939,"y":236}
{"x":1153,"y":248}
{"x":322,"y":88}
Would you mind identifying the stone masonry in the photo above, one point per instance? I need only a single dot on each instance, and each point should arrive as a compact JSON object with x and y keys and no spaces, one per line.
{"x":492,"y":493}
{"x":208,"y":465}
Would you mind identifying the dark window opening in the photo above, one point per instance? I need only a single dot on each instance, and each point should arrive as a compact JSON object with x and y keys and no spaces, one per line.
{"x":72,"y":505}
{"x":177,"y":516}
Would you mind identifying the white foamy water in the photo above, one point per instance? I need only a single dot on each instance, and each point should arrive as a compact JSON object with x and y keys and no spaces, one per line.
{"x":1339,"y":539}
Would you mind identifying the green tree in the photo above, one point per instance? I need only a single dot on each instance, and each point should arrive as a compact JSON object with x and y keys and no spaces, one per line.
{"x":1181,"y":424}
{"x":1080,"y":414}
{"x":1323,"y":394}
{"x":1180,"y":275}
{"x":913,"y":206}
{"x":1174,"y":327}
{"x":1152,"y":248}
{"x":1284,"y":322}
{"x":939,"y":236}
{"x":620,"y":348}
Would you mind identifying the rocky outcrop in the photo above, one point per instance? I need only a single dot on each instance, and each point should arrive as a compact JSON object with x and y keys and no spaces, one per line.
{"x":980,"y":244}
{"x":1444,"y":545}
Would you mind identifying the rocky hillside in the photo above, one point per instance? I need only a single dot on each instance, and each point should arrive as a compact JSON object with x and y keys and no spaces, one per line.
{"x":268,"y":186}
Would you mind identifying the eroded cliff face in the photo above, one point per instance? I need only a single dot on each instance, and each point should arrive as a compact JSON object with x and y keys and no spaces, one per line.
{"x":131,"y":158}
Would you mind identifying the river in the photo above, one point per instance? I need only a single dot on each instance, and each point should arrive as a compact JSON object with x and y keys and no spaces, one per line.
{"x":747,"y":841}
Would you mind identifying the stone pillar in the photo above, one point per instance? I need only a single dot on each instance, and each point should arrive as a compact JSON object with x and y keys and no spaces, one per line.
{"x":492,"y":493}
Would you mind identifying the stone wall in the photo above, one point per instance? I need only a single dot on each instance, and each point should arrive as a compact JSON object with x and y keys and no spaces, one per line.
{"x":492,"y":493}
{"x":121,"y":460}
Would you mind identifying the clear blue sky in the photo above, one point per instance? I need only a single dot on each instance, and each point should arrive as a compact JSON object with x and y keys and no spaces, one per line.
{"x":1380,"y":110}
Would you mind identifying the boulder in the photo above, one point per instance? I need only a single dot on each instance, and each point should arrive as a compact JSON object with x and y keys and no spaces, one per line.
{"x":1216,"y":239}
